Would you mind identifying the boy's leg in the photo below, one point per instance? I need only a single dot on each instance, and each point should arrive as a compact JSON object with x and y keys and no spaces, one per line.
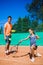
{"x":32,"y":50}
{"x":32,"y":53}
{"x":36,"y":53}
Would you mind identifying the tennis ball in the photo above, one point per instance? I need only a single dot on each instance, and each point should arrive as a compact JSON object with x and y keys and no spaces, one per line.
{"x":9,"y":38}
{"x":13,"y":30}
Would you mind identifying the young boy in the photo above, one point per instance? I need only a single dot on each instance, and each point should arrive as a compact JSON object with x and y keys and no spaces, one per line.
{"x":33,"y":45}
{"x":7,"y":34}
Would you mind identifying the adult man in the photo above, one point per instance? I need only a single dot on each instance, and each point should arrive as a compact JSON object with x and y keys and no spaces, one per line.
{"x":7,"y":34}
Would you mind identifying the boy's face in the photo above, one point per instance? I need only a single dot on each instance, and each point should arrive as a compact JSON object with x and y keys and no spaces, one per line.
{"x":9,"y":20}
{"x":30,"y":31}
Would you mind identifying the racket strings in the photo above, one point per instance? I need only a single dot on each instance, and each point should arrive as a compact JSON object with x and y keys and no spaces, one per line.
{"x":15,"y":48}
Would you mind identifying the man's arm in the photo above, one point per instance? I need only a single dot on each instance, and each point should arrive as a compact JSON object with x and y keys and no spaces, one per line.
{"x":4,"y":31}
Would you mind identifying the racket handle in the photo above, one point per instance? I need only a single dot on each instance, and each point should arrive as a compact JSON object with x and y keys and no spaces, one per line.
{"x":18,"y":43}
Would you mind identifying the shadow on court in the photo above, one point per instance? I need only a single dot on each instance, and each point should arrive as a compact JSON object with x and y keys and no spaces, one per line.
{"x":28,"y":54}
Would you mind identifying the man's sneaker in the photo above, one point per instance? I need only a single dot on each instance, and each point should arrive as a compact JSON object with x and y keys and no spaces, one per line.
{"x":6,"y":52}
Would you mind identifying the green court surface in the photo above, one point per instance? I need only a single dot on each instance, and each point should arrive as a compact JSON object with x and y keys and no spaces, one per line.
{"x":18,"y":36}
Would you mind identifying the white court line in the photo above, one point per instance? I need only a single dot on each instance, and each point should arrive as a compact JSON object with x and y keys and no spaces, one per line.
{"x":19,"y":46}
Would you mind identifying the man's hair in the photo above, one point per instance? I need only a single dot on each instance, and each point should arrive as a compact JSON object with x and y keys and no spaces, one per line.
{"x":9,"y":17}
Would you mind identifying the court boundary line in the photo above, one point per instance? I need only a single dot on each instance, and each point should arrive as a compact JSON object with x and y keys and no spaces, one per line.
{"x":19,"y":46}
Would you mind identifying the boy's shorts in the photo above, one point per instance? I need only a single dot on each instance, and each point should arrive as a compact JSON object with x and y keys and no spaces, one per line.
{"x":8,"y":39}
{"x":35,"y":46}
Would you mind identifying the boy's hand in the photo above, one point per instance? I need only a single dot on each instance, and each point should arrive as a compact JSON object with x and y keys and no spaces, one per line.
{"x":20,"y":41}
{"x":37,"y":37}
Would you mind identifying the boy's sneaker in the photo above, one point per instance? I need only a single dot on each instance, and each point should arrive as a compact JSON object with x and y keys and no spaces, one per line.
{"x":32,"y":60}
{"x":39,"y":55}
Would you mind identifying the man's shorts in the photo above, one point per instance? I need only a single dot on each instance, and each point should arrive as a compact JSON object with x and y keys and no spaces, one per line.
{"x":8,"y":39}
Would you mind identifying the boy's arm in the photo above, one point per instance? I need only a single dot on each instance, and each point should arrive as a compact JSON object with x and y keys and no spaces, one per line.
{"x":37,"y":37}
{"x":24,"y":39}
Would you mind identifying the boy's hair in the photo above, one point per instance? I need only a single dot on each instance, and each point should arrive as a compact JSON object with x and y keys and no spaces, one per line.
{"x":32,"y":30}
{"x":9,"y":17}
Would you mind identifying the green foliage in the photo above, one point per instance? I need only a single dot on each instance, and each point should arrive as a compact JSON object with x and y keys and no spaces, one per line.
{"x":40,"y":27}
{"x":34,"y":24}
{"x":23,"y":24}
{"x":36,"y":9}
{"x":1,"y":30}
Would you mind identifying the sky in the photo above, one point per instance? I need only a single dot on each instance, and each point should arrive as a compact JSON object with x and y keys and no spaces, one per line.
{"x":14,"y":8}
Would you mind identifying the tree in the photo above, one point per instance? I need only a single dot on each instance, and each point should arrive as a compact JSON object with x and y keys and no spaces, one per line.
{"x":34,"y":24}
{"x":36,"y":9}
{"x":14,"y":27}
{"x":1,"y":30}
{"x":19,"y":25}
{"x":22,"y":24}
{"x":26,"y":24}
{"x":40,"y":27}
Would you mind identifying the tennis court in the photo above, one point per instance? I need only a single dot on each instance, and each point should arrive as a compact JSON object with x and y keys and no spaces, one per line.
{"x":22,"y":56}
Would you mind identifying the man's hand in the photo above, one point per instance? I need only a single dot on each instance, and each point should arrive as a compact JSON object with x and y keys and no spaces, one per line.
{"x":4,"y":37}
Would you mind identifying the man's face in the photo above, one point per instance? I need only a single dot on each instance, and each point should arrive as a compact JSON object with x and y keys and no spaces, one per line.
{"x":9,"y":20}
